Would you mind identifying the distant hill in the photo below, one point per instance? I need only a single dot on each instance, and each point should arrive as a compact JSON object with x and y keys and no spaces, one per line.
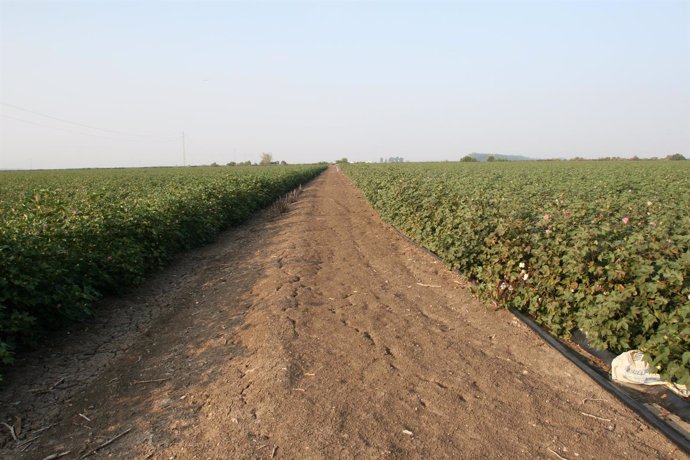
{"x":484,"y":156}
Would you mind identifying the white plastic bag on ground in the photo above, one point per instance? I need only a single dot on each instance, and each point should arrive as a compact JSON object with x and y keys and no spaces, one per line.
{"x":631,"y":367}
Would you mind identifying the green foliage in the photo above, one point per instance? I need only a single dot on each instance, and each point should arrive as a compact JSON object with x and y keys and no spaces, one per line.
{"x":603,"y":247}
{"x":676,"y":157}
{"x":69,"y":237}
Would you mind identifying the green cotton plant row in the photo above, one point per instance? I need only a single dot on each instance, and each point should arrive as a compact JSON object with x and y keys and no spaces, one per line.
{"x":69,"y":237}
{"x":603,"y":247}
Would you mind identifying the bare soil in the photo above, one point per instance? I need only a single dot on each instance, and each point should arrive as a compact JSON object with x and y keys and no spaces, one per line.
{"x":317,"y":333}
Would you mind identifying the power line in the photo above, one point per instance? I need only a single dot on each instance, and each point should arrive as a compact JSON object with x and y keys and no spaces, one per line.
{"x":122,"y":133}
{"x":64,"y":129}
{"x":53,"y":127}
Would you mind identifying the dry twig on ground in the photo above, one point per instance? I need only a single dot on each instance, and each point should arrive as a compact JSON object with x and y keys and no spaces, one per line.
{"x":594,"y":416}
{"x":556,"y":454}
{"x":57,"y":455}
{"x":11,"y":429}
{"x":105,"y":444}
{"x":138,"y":382}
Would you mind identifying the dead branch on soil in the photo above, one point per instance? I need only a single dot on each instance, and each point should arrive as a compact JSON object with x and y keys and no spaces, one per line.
{"x":594,"y":416}
{"x":592,"y":399}
{"x":11,"y":429}
{"x":105,"y":444}
{"x":138,"y":382}
{"x":57,"y":455}
{"x":23,"y":445}
{"x":556,"y":454}
{"x":26,"y":443}
{"x":47,"y":390}
{"x":428,"y":285}
{"x":26,"y":446}
{"x":84,"y":417}
{"x":41,"y":430}
{"x":273,"y":453}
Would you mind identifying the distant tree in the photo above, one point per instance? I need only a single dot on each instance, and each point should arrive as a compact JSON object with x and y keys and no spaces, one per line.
{"x":491,"y":158}
{"x":214,"y":164}
{"x":343,"y":160}
{"x":676,"y":157}
{"x":381,"y":160}
{"x":232,"y":163}
{"x":635,"y":158}
{"x":468,"y":159}
{"x":266,"y":159}
{"x":283,"y":162}
{"x":245,"y":163}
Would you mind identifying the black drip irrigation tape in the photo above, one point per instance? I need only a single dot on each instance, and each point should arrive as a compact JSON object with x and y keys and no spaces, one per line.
{"x":671,"y":433}
{"x":675,"y":436}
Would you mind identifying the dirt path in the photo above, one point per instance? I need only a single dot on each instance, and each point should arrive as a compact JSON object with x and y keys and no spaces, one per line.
{"x":319,"y":333}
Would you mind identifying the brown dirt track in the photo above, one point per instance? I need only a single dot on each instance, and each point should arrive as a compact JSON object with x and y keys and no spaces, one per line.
{"x":319,"y":333}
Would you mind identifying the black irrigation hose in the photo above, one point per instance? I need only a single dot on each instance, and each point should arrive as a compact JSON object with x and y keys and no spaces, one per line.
{"x":675,"y":436}
{"x":671,"y":433}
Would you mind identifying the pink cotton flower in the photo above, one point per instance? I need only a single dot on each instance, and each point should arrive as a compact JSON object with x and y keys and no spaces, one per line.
{"x":626,"y":220}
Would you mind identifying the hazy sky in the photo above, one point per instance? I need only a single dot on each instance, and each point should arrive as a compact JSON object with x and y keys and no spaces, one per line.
{"x":315,"y":81}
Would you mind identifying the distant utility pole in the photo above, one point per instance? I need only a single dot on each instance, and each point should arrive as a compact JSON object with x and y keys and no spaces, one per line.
{"x":184,"y":152}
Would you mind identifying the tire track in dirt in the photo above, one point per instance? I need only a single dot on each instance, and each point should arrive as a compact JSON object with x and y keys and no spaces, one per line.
{"x":319,"y":334}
